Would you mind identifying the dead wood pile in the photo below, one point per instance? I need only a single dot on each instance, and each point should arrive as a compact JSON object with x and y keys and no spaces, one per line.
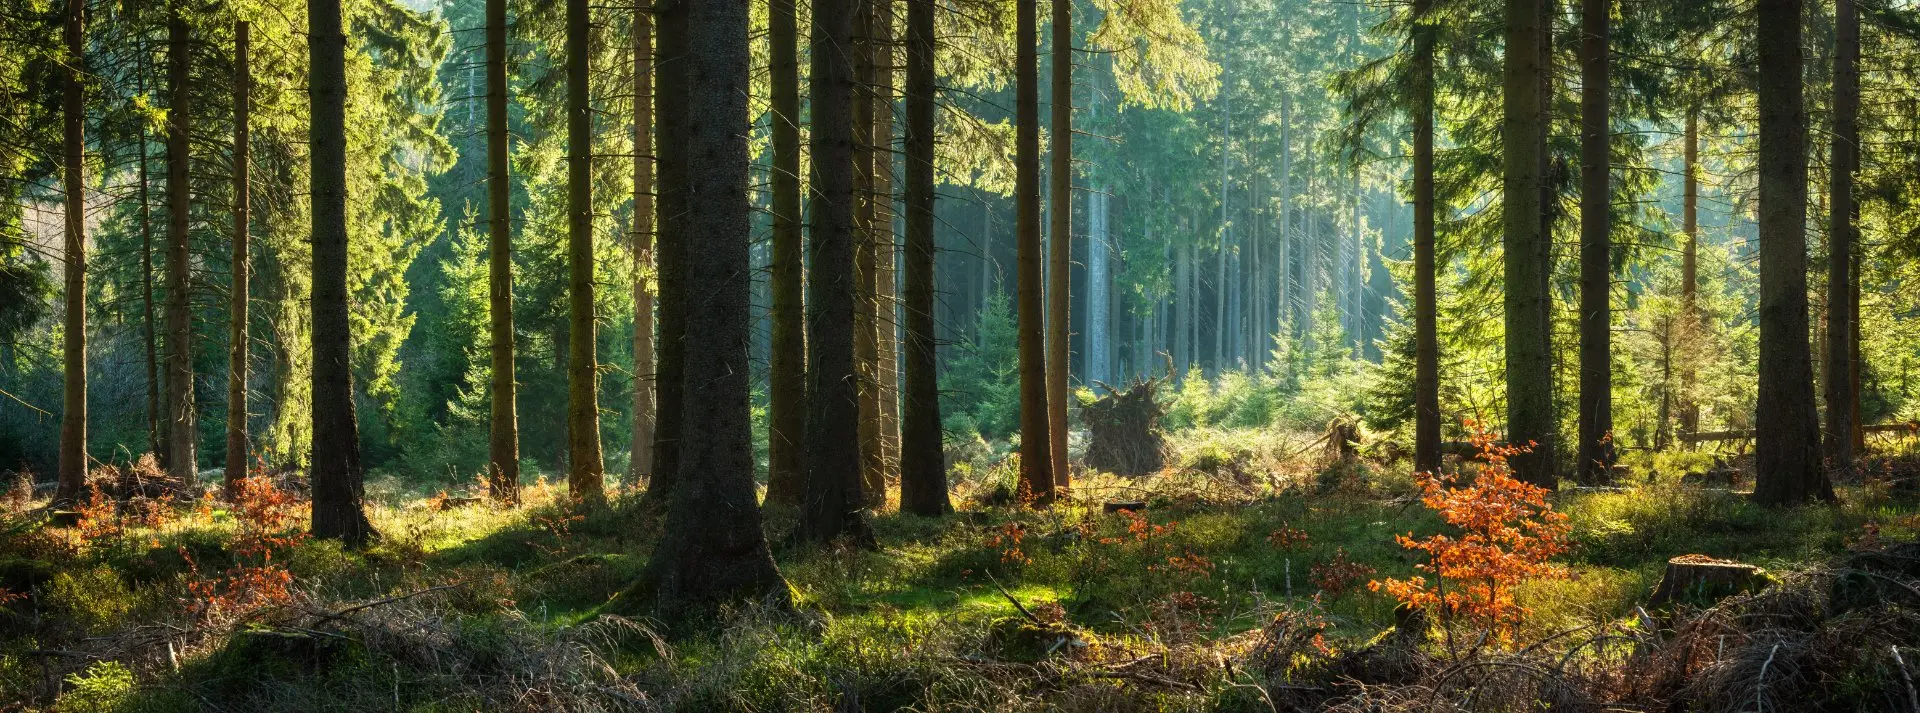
{"x":1124,"y":430}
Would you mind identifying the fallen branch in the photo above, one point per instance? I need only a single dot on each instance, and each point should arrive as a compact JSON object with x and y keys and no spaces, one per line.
{"x":1015,"y":602}
{"x":342,"y":614}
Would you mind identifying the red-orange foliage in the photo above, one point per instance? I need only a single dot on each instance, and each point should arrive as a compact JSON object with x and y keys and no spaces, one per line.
{"x":1334,"y":576}
{"x":1508,"y":533}
{"x":270,"y":521}
{"x":1287,"y":538}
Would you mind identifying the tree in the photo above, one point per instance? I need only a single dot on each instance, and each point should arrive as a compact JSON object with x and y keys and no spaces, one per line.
{"x":585,"y":471}
{"x":237,"y":448}
{"x":1426,"y":385}
{"x":1596,"y":452}
{"x":1787,"y":438}
{"x":713,"y":549}
{"x":1036,"y":449}
{"x":786,"y":381}
{"x":1061,"y":247}
{"x":503,"y":440}
{"x":73,"y":416}
{"x":182,"y":434}
{"x":923,"y":476}
{"x":866,"y":257}
{"x":1690,"y":261}
{"x":1529,"y":360}
{"x":671,"y":119}
{"x":1842,"y":284}
{"x":834,"y":495}
{"x":338,"y":512}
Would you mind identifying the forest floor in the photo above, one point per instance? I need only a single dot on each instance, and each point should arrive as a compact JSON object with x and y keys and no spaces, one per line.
{"x":1242,"y":586}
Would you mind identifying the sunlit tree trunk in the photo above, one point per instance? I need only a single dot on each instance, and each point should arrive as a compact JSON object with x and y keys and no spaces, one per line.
{"x":237,"y":341}
{"x":886,"y":256}
{"x":156,"y":432}
{"x":1528,"y":360}
{"x":923,"y":477}
{"x":866,"y":266}
{"x":338,"y":512}
{"x":503,"y":438}
{"x":1842,"y":285}
{"x":73,"y":416}
{"x":1690,"y":321}
{"x":183,"y":437}
{"x":1787,"y":440}
{"x":1596,"y":451}
{"x":787,"y":379}
{"x":585,"y":470}
{"x":640,"y":460}
{"x":1036,"y":453}
{"x":1060,"y":250}
{"x":1426,"y":333}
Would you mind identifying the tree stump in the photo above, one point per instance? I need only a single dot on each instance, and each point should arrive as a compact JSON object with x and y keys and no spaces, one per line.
{"x":1699,"y":579}
{"x":1343,"y":438}
{"x":1123,"y":428}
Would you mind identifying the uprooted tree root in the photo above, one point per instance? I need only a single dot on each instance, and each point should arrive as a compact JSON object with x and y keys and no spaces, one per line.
{"x":1125,"y":437}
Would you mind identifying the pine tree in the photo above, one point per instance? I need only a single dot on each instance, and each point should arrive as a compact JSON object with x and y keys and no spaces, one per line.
{"x":1596,"y":451}
{"x":1529,"y":361}
{"x":73,"y":416}
{"x":1036,"y":451}
{"x":182,"y":433}
{"x":1426,"y":384}
{"x":923,"y":477}
{"x":237,"y":446}
{"x":585,"y":471}
{"x":787,"y":380}
{"x":671,"y":120}
{"x":1060,"y":249}
{"x":503,"y":442}
{"x":1842,"y":284}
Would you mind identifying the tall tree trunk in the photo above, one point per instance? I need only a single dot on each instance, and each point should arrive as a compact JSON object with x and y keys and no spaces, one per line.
{"x":1283,"y":316}
{"x":237,"y":343}
{"x":1061,"y":250}
{"x":923,"y":476}
{"x":73,"y":414}
{"x":787,"y":380}
{"x":585,"y":470}
{"x":886,"y":277}
{"x":183,"y":438}
{"x":672,"y":119}
{"x":156,"y":433}
{"x":503,"y":437}
{"x":1099,"y":343}
{"x":866,"y":320}
{"x":835,"y":496}
{"x":338,"y":512}
{"x":714,"y":550}
{"x":1528,"y":361}
{"x":1787,"y":441}
{"x":1842,"y":321}
{"x":1182,"y":288}
{"x":1426,"y":333}
{"x":1690,"y":270}
{"x":1596,"y":451}
{"x":640,"y":459}
{"x":1036,"y":442}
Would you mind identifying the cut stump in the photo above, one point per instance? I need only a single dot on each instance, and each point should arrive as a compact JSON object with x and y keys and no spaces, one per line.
{"x":1699,"y":579}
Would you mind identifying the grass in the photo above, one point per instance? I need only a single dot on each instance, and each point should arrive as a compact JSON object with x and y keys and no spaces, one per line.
{"x":499,"y":608}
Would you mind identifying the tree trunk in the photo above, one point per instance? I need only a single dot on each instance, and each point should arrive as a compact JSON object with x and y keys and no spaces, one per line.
{"x":923,"y":477}
{"x":237,"y":448}
{"x":672,"y":119}
{"x":1689,"y":270}
{"x":886,"y":257}
{"x":1787,"y":445}
{"x":866,"y":320}
{"x":585,"y":470}
{"x":503,"y":438}
{"x":156,"y":434}
{"x":834,"y":487}
{"x":714,"y":550}
{"x":1596,"y":454}
{"x":337,"y":479}
{"x":1036,"y":451}
{"x":1060,"y":250}
{"x":1426,"y":333}
{"x":1842,"y":322}
{"x":1182,"y":297}
{"x":1099,"y":343}
{"x":73,"y":415}
{"x":640,"y":459}
{"x":182,"y":438}
{"x":1528,"y":360}
{"x":787,"y":379}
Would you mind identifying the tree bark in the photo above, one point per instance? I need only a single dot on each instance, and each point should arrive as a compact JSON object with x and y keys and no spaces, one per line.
{"x":503,"y":438}
{"x":640,"y":459}
{"x":866,"y":319}
{"x":237,"y":448}
{"x":1528,"y":361}
{"x":672,"y":119}
{"x":1061,"y":248}
{"x":886,"y":277}
{"x":1596,"y":452}
{"x":1689,"y":269}
{"x":585,"y":470}
{"x":787,"y":380}
{"x":834,"y":488}
{"x":1426,"y":359}
{"x":1036,"y":451}
{"x":714,"y":550}
{"x":923,"y":476}
{"x":338,"y":512}
{"x":156,"y":434}
{"x":1787,"y":444}
{"x":1842,"y":321}
{"x":73,"y":414}
{"x":182,"y":438}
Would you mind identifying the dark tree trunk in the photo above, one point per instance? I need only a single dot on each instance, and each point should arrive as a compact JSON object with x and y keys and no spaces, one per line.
{"x":1690,"y":270}
{"x":671,"y":117}
{"x":787,"y":364}
{"x":237,"y":357}
{"x":923,"y":477}
{"x":835,"y":499}
{"x":1842,"y":321}
{"x":503,"y":442}
{"x":182,"y":434}
{"x":866,"y":266}
{"x":1596,"y":450}
{"x":714,"y":550}
{"x":73,"y":416}
{"x":156,"y":433}
{"x":1036,"y":452}
{"x":640,"y":458}
{"x":337,"y":479}
{"x":1426,"y":359}
{"x":1787,"y":442}
{"x":585,"y":470}
{"x":1060,"y":249}
{"x":1528,"y":360}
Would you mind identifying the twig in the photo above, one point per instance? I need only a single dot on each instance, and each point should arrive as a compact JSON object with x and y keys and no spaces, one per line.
{"x":1760,"y":685}
{"x":342,"y":614}
{"x":1016,"y":603}
{"x":1913,"y":697}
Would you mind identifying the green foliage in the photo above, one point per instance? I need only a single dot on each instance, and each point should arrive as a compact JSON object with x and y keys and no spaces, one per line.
{"x":104,"y":688}
{"x":980,"y":390}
